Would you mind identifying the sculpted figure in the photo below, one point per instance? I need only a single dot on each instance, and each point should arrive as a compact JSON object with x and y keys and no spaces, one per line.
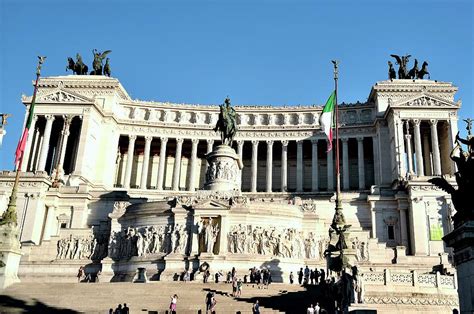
{"x":391,"y":71}
{"x":413,"y":73}
{"x":98,"y":59}
{"x":402,"y":62}
{"x":423,"y":71}
{"x":226,"y":123}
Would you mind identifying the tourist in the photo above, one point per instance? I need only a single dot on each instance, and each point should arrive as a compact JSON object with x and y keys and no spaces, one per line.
{"x":269,"y":279}
{"x":111,"y":311}
{"x":118,"y":310}
{"x":256,"y":308}
{"x":80,"y":273}
{"x":97,"y":276}
{"x":317,"y":309}
{"x":217,"y":275}
{"x":311,"y":276}
{"x":174,"y":301}
{"x":213,"y":305}
{"x":306,"y":275}
{"x":207,"y":273}
{"x":209,"y":297}
{"x":316,"y":276}
{"x":234,"y":286}
{"x":239,"y":288}
{"x":233,"y":272}
{"x":300,"y":276}
{"x":310,"y":310}
{"x":125,"y":309}
{"x":228,"y":278}
{"x":291,"y":277}
{"x":323,"y":276}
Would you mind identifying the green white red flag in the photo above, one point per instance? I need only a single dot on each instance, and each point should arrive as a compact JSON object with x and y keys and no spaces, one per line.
{"x":327,"y":118}
{"x":20,"y":149}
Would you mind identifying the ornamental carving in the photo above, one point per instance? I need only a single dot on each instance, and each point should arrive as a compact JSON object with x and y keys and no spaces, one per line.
{"x":222,"y":169}
{"x":61,"y":96}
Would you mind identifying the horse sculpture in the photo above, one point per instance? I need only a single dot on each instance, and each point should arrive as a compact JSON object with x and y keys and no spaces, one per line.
{"x":402,"y":62}
{"x":413,"y":73}
{"x":226,"y":124}
{"x":423,"y":71}
{"x":77,"y":67}
{"x":391,"y":71}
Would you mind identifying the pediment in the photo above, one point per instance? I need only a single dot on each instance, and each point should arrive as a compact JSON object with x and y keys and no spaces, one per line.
{"x":424,"y":100}
{"x":212,"y":205}
{"x":63,"y":96}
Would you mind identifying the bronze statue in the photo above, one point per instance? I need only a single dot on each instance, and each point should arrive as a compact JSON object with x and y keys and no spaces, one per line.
{"x":469,"y":126}
{"x":391,"y":71}
{"x":4,"y":118}
{"x":402,"y":62}
{"x":423,"y":71}
{"x":461,"y":196}
{"x":107,"y":71}
{"x":226,"y":124}
{"x":77,"y":67}
{"x":98,"y":59}
{"x":413,"y":73}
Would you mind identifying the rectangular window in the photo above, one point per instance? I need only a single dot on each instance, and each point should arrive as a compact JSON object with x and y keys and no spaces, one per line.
{"x":63,"y":225}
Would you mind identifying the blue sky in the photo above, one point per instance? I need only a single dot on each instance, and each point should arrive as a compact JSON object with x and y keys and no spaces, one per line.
{"x":258,"y":52}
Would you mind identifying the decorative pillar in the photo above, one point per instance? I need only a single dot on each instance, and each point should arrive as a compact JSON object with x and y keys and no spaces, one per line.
{"x":435,"y":146}
{"x":400,"y":143}
{"x":240,"y":152}
{"x":361,"y":162}
{"x":162,"y":162}
{"x":192,"y":174}
{"x":373,"y":220}
{"x":177,"y":164}
{"x":29,"y":144}
{"x":45,"y":146}
{"x":210,"y":145}
{"x":427,"y":155}
{"x":146,"y":161}
{"x":403,"y":226}
{"x":314,"y":166}
{"x":345,"y":163}
{"x":330,"y":168}
{"x":299,"y":166}
{"x":375,"y":152}
{"x":253,"y":186}
{"x":284,"y":166}
{"x":419,"y":156}
{"x":65,"y":135}
{"x":35,"y":164}
{"x":48,"y":227}
{"x":269,"y":166}
{"x":408,"y":145}
{"x":130,"y":154}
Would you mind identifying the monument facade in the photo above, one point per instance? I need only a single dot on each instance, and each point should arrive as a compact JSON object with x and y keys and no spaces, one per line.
{"x":121,"y":184}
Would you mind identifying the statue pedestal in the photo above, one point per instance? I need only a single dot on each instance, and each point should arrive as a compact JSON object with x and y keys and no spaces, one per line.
{"x":175,"y":265}
{"x":224,"y":171}
{"x":10,"y":254}
{"x":461,"y":240}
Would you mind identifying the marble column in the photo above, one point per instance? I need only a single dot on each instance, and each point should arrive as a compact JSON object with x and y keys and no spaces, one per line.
{"x":400,"y":142}
{"x":65,"y":135}
{"x":192,"y":172}
{"x":345,"y":163}
{"x":361,"y":162}
{"x":46,"y":138}
{"x":49,"y":224}
{"x":418,"y":150}
{"x":177,"y":164}
{"x":269,"y":166}
{"x":122,"y":170}
{"x":435,"y":147}
{"x":240,"y":152}
{"x":427,"y":154}
{"x":130,"y":154}
{"x":162,"y":163}
{"x":284,"y":166}
{"x":146,"y":162}
{"x":29,"y":144}
{"x":34,"y":151}
{"x":299,"y":166}
{"x":314,"y":166}
{"x":408,"y":146}
{"x":253,"y":185}
{"x":210,"y":147}
{"x":35,"y":165}
{"x":375,"y":152}
{"x":330,"y":168}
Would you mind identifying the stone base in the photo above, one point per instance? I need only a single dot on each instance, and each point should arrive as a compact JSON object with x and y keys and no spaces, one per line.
{"x":224,"y":171}
{"x":10,"y":255}
{"x":175,"y":265}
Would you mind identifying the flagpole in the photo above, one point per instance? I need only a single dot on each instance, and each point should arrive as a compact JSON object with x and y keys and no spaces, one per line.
{"x":338,"y":219}
{"x":10,"y":214}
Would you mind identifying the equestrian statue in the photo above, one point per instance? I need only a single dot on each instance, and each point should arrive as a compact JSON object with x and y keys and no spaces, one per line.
{"x":226,"y":124}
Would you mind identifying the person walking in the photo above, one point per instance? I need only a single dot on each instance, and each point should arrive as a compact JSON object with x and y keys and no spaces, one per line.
{"x":317,"y":308}
{"x":213,"y":305}
{"x":125,"y":309}
{"x":300,"y":276}
{"x":209,"y":297}
{"x":256,"y":308}
{"x":173,"y":303}
{"x":234,"y":286}
{"x":310,"y":310}
{"x":80,"y":273}
{"x":292,"y":277}
{"x":239,"y":287}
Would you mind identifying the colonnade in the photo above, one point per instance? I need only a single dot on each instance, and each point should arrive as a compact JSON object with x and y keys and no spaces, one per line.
{"x":123,"y":177}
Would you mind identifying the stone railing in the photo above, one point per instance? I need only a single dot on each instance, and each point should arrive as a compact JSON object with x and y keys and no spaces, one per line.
{"x":388,"y":278}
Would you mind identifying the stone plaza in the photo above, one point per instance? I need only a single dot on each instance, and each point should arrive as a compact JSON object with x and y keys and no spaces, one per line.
{"x":145,"y":191}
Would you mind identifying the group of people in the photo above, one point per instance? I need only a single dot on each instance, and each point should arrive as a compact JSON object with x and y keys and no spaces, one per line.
{"x":309,"y":276}
{"x":263,"y":276}
{"x":120,"y":309}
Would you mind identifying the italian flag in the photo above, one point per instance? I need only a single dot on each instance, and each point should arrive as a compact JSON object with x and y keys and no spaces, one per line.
{"x":20,"y":149}
{"x":327,"y":118}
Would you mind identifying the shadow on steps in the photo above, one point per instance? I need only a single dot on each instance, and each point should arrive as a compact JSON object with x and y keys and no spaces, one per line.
{"x":12,"y":305}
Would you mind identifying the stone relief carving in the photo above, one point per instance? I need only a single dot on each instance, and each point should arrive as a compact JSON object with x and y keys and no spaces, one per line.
{"x":288,"y":242}
{"x":148,"y":240}
{"x":60,"y":96}
{"x":208,"y":232}
{"x":361,"y":249}
{"x":222,"y":169}
{"x":82,"y":247}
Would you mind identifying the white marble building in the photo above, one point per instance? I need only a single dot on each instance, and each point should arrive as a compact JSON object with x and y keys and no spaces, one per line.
{"x":110,"y":148}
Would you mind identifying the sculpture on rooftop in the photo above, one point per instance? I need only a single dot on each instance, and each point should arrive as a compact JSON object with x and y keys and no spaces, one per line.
{"x":226,"y":123}
{"x":403,"y":73}
{"x":97,"y":64}
{"x":464,"y":160}
{"x":391,"y":71}
{"x":77,"y":67}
